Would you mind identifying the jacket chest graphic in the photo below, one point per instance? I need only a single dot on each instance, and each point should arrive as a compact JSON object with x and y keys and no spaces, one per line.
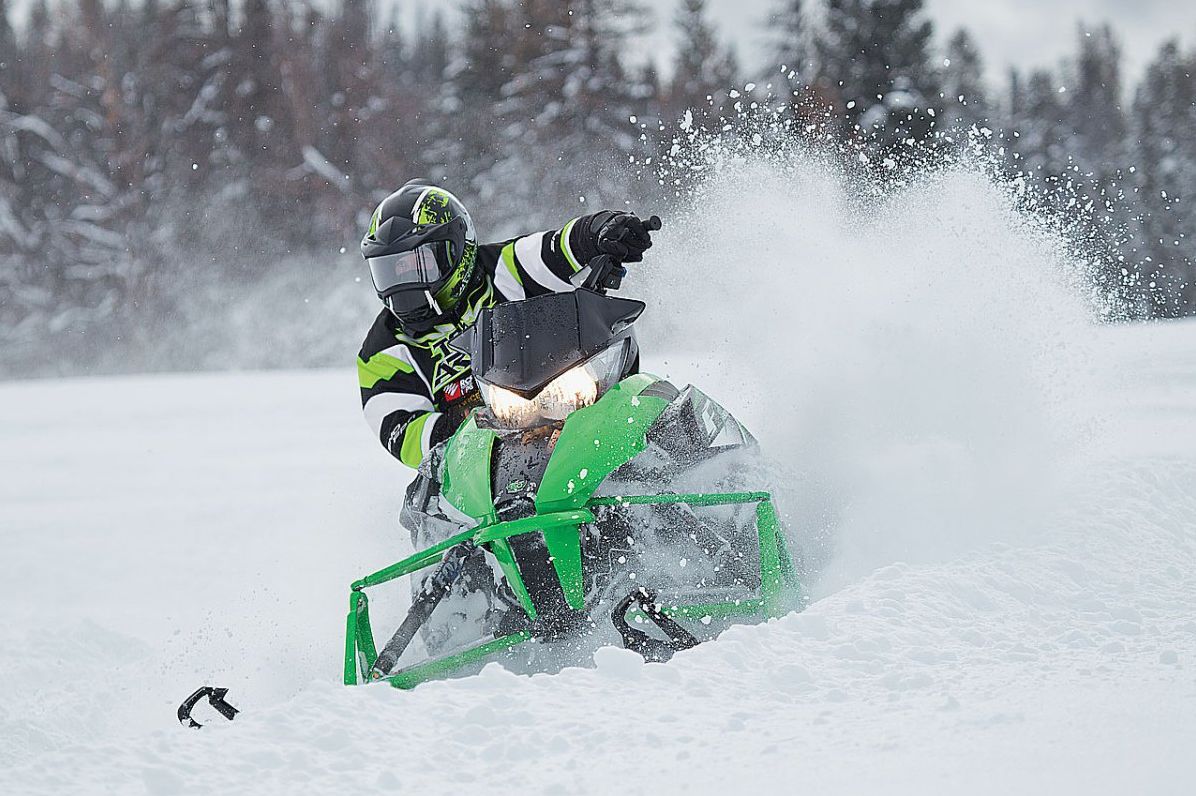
{"x":448,"y":366}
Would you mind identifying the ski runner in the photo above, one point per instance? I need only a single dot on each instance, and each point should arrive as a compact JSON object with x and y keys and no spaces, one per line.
{"x":434,"y":279}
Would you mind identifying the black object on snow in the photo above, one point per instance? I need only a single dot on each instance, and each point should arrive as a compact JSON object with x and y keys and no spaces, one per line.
{"x":652,"y":649}
{"x":215,"y":699}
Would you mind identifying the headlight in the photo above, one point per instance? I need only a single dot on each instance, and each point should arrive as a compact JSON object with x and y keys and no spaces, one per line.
{"x":572,"y":390}
{"x":576,"y":388}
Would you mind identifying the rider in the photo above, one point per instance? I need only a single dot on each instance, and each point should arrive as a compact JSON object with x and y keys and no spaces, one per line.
{"x":434,"y":279}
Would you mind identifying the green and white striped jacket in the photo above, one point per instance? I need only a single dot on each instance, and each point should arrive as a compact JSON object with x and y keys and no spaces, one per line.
{"x":416,"y":391}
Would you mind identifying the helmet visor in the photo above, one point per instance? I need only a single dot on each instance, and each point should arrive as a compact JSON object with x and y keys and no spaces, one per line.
{"x":423,"y":266}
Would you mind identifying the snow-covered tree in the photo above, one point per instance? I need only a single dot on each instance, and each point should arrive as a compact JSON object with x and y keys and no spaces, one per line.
{"x":566,"y":130}
{"x":1165,"y":175}
{"x":789,"y":39}
{"x":703,"y":71}
{"x":874,"y":65}
{"x":964,"y":98}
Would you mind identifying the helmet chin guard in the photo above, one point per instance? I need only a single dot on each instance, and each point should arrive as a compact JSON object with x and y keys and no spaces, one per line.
{"x":417,"y":311}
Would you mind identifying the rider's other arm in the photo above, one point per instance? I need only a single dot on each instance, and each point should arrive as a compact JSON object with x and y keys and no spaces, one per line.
{"x":544,"y":262}
{"x":397,"y":404}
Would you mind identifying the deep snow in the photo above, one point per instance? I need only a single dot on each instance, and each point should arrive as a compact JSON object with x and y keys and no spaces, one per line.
{"x":999,"y":498}
{"x":146,"y":556}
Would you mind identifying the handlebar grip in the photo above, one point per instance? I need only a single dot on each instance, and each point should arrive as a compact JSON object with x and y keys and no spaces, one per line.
{"x":652,"y":224}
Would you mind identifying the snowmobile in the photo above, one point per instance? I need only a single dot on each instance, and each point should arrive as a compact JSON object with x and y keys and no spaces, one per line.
{"x":584,"y":504}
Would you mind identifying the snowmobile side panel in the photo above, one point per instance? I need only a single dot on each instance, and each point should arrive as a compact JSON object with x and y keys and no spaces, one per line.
{"x":564,"y":550}
{"x":597,"y":440}
{"x":467,"y":471}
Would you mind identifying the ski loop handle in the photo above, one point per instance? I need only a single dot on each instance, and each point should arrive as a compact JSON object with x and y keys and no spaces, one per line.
{"x":435,"y":588}
{"x":638,"y":641}
{"x":606,"y":272}
{"x":215,"y":699}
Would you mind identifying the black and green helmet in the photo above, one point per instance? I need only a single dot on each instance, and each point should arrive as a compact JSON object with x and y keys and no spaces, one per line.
{"x":422,"y":252}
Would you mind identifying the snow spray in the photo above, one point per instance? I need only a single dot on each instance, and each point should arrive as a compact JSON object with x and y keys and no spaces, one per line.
{"x":914,"y":358}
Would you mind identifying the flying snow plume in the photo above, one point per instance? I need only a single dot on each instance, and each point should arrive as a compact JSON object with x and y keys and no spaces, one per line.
{"x":917,"y":360}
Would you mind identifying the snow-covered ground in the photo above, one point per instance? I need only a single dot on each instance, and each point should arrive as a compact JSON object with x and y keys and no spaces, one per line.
{"x":998,"y":498}
{"x":161,"y":533}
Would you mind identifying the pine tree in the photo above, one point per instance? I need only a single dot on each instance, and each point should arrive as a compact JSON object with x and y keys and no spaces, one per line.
{"x":431,"y":57}
{"x":1039,"y":129}
{"x":965,"y":101}
{"x":703,"y":72}
{"x":567,"y":132}
{"x":1097,"y":143}
{"x":8,"y":41}
{"x":260,"y":126}
{"x":789,"y":39}
{"x":348,"y":63}
{"x":874,"y":65}
{"x":1097,"y":118}
{"x":482,"y":67}
{"x":1165,"y":114}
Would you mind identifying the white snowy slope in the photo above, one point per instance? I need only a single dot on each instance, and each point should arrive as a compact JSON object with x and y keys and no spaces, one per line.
{"x":999,"y":500}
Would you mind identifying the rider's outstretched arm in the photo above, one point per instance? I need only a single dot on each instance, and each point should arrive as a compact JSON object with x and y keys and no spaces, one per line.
{"x":543,"y":262}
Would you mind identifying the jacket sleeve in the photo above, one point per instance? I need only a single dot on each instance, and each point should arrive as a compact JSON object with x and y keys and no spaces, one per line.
{"x":543,"y":262}
{"x":398,"y":404}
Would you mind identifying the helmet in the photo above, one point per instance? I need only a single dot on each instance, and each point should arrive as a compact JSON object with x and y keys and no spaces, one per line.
{"x":421,"y":249}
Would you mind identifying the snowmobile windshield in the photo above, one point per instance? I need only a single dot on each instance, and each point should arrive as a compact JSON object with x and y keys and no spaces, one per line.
{"x":576,"y":343}
{"x":423,"y":267}
{"x":523,"y":345}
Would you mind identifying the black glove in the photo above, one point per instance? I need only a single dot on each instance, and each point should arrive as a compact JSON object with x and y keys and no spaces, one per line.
{"x":621,"y":235}
{"x":624,"y":237}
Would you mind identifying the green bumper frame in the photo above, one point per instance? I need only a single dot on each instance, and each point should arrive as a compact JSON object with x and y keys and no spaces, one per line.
{"x":779,"y":586}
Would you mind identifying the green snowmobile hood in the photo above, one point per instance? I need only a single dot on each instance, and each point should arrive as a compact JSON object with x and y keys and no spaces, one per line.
{"x":596,"y":441}
{"x":593,"y":443}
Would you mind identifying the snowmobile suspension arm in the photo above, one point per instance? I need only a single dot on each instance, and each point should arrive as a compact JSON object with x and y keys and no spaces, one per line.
{"x":435,"y":588}
{"x":777,"y":574}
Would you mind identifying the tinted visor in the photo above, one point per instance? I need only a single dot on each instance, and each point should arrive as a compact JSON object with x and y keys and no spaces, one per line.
{"x":423,"y":266}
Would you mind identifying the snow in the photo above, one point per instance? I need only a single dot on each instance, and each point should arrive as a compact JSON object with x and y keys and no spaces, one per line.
{"x":999,"y":499}
{"x":177,"y":531}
